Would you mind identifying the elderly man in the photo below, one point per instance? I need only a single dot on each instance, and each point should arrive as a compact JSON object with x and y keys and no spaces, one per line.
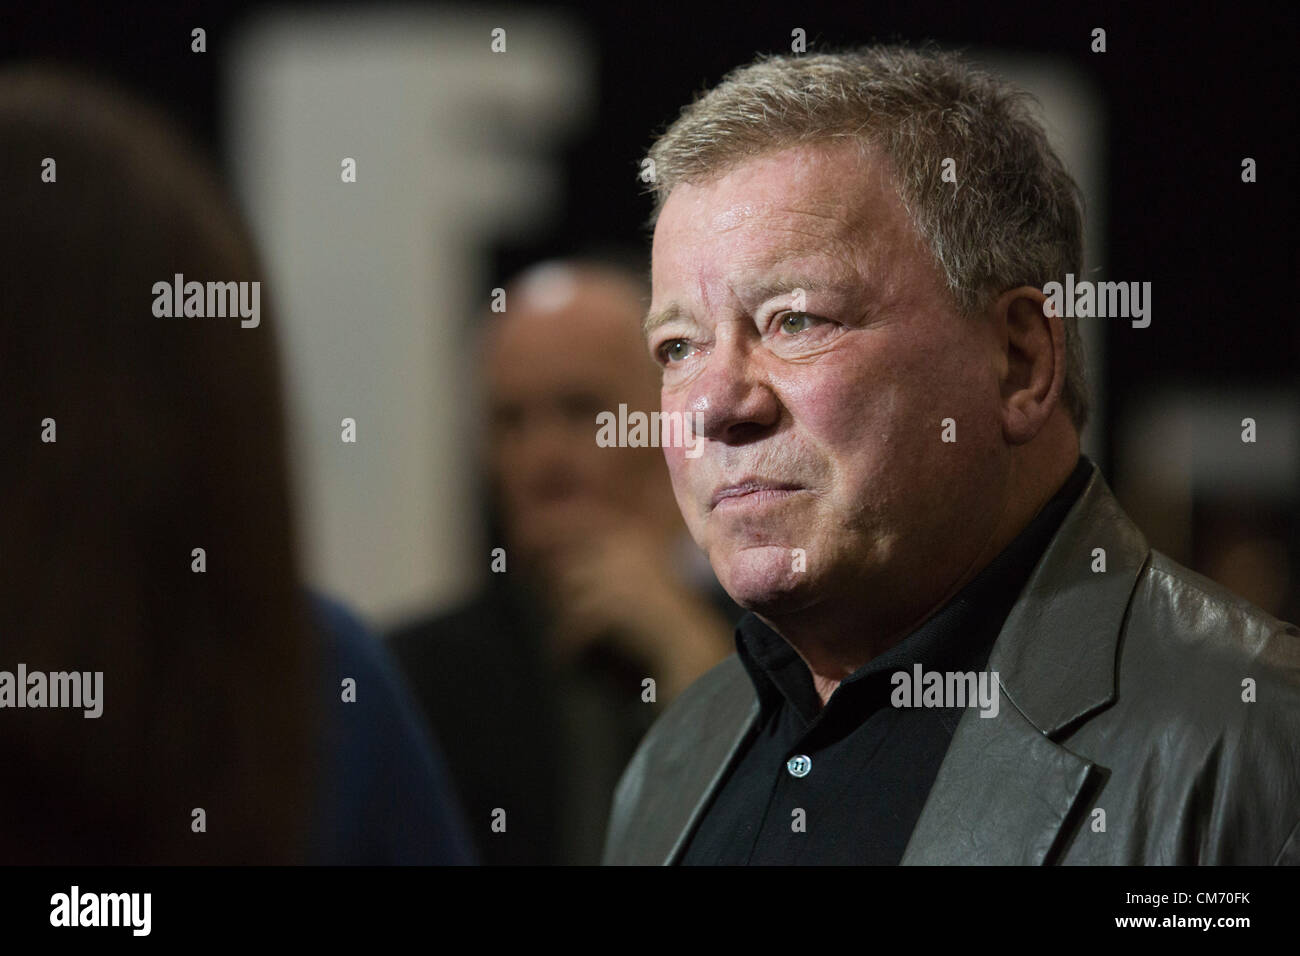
{"x":959,"y":649}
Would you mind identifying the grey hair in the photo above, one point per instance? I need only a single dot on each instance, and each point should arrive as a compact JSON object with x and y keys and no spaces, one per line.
{"x":1015,"y":215}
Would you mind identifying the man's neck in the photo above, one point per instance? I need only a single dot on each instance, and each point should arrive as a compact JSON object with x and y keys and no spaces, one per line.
{"x":837,"y":637}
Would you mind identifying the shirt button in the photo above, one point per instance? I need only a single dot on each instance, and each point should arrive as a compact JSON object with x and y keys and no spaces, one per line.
{"x":799,"y":765}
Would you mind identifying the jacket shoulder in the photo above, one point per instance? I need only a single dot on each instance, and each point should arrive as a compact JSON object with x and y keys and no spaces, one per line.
{"x":1194,"y":613}
{"x":724,"y":687}
{"x":1200,"y":748}
{"x":1217,"y":666}
{"x":675,"y":762}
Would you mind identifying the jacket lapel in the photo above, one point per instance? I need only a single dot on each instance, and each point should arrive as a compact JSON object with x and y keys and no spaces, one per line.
{"x":1003,"y":793}
{"x":1005,"y":789}
{"x":711,"y":762}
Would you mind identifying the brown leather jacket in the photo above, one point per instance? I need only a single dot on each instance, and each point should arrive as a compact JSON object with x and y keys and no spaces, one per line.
{"x":1124,"y":691}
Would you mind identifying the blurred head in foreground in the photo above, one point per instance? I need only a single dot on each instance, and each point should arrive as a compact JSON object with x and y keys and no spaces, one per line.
{"x":131,"y":440}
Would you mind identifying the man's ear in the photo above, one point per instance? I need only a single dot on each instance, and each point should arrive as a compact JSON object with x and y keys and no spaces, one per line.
{"x":1033,"y":364}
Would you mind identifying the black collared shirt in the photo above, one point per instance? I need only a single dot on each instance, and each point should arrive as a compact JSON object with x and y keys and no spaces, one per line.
{"x":845,"y":783}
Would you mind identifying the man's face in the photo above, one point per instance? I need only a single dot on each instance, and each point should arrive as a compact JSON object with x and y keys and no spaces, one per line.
{"x":805,"y":321}
{"x":568,"y":350}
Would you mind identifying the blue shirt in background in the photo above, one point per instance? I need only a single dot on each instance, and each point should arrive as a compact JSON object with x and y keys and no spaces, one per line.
{"x":383,"y":795}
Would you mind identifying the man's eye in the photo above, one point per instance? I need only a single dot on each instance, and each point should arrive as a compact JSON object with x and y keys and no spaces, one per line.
{"x":675,"y":350}
{"x":793,"y":322}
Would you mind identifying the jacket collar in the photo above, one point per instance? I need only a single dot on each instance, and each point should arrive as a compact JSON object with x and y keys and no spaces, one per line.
{"x":1005,"y":789}
{"x":1056,"y":652}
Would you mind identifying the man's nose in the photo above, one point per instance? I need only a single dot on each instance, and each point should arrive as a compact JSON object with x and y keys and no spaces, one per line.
{"x":732,"y":395}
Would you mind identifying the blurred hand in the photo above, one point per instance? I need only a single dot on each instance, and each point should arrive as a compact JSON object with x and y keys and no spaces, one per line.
{"x":621,"y":586}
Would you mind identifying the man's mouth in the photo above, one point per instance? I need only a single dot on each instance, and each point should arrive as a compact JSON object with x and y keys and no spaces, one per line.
{"x":752,"y":491}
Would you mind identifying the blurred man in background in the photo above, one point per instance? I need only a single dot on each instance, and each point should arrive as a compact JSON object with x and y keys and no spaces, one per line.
{"x":537,"y":684}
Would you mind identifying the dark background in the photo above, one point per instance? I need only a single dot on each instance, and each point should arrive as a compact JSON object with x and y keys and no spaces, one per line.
{"x":1187,"y":94}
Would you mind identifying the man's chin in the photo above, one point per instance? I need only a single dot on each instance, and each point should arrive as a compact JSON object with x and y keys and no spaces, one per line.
{"x":765,"y":580}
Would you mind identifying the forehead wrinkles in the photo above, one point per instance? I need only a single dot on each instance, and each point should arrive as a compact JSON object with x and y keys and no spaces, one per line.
{"x":784,"y":233}
{"x":828,"y":206}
